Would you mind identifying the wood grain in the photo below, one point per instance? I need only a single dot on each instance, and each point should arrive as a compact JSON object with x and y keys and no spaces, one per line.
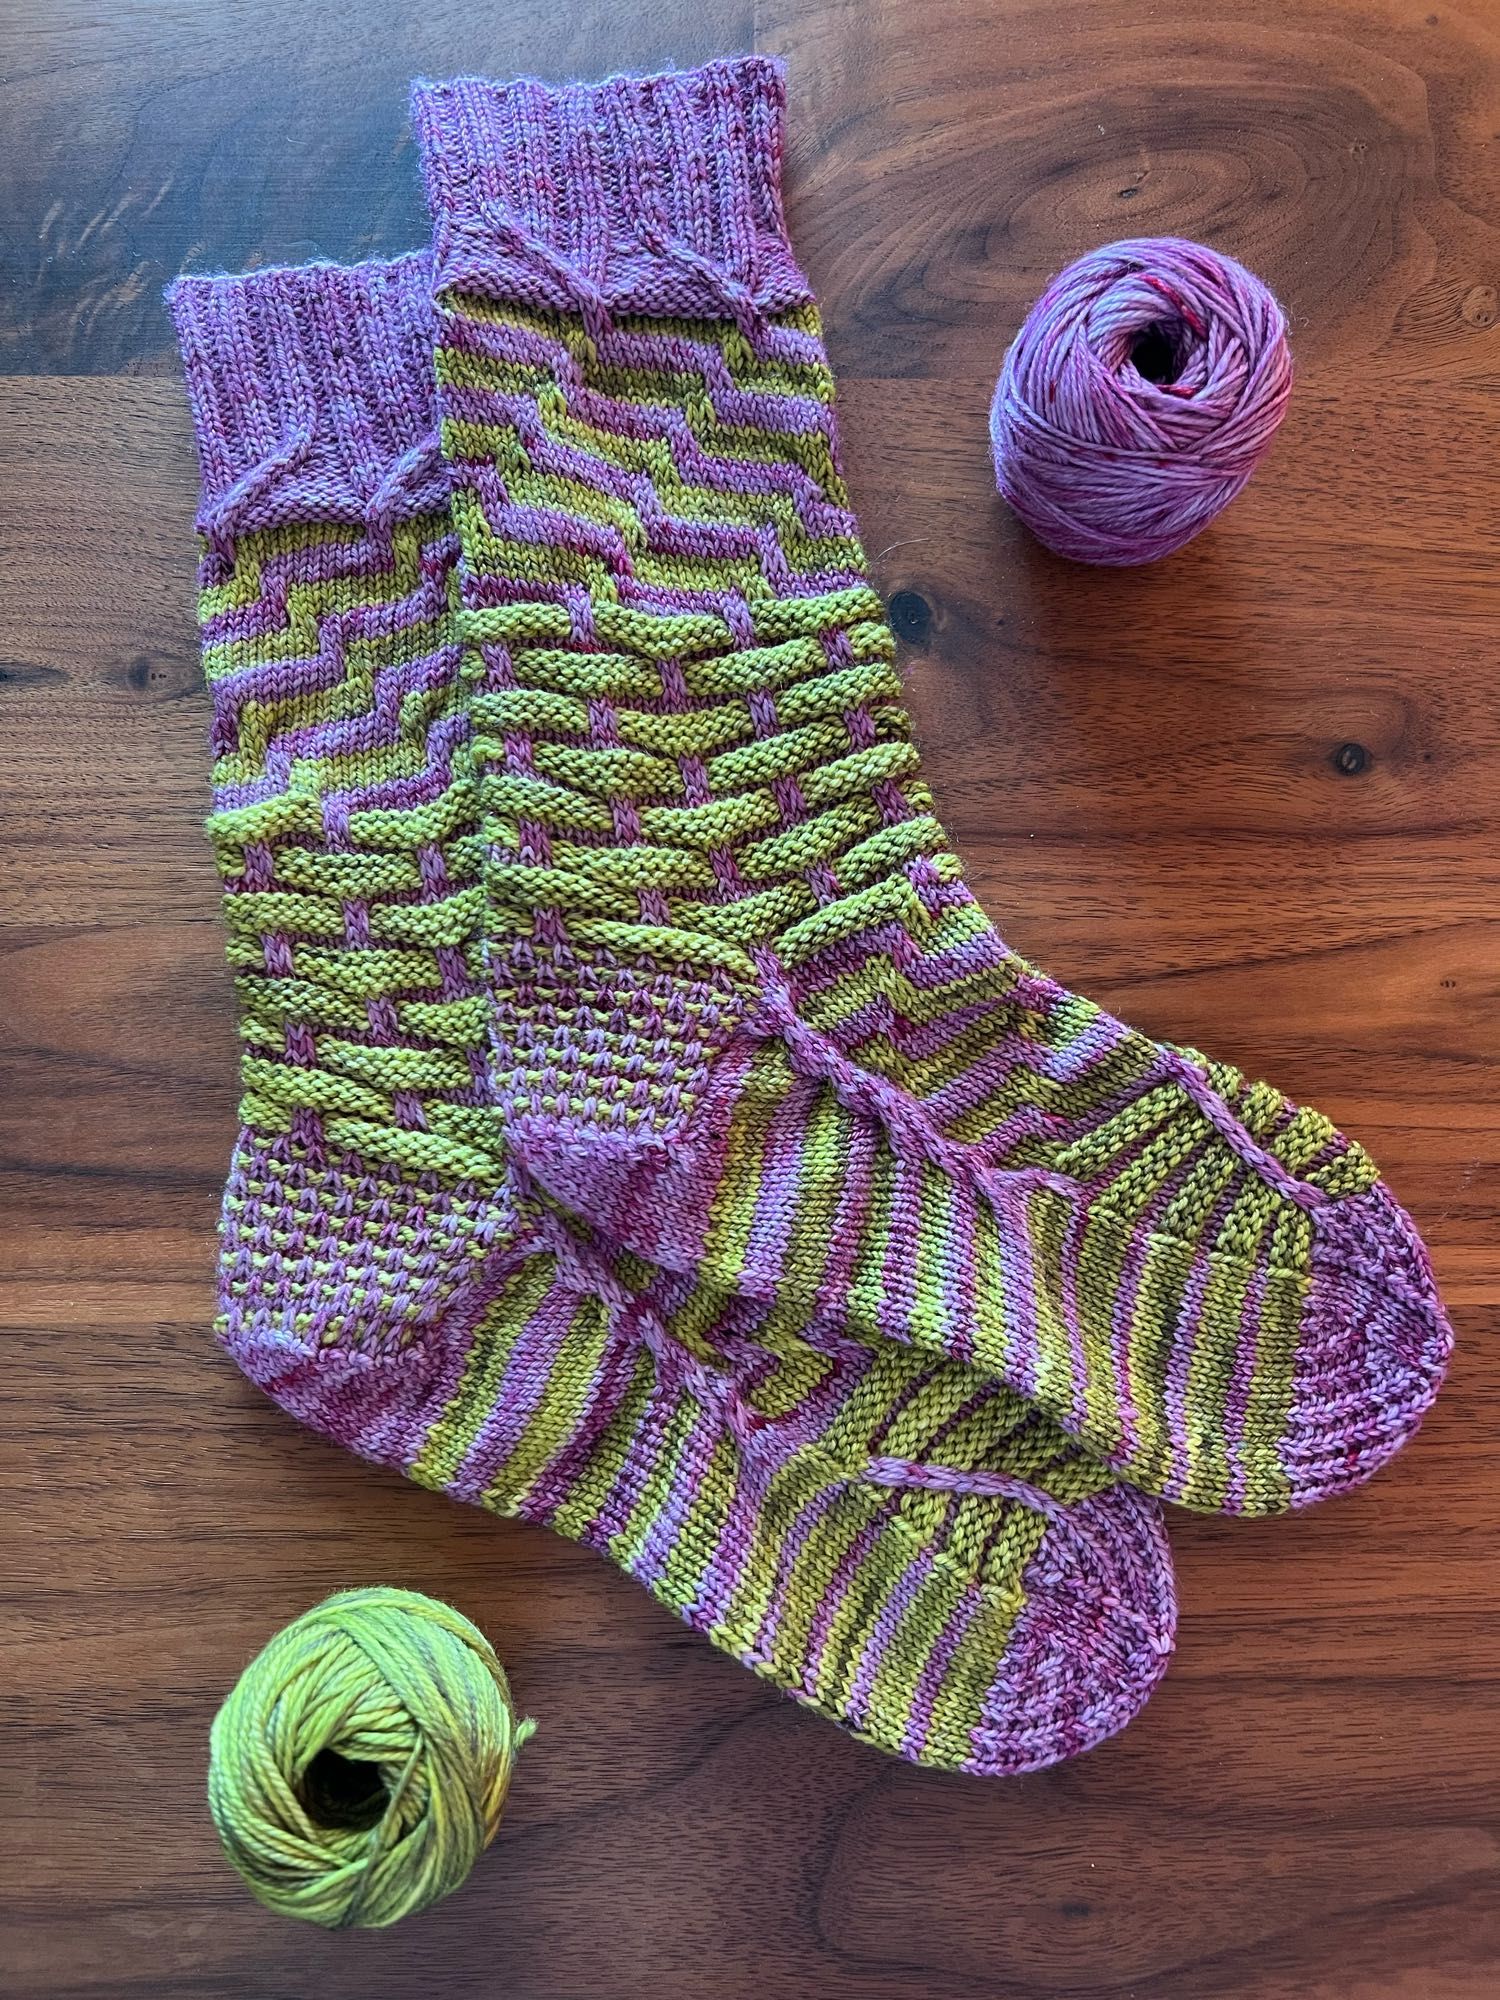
{"x":1144,"y":774}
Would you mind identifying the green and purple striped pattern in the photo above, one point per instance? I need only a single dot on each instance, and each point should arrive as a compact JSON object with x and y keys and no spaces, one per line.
{"x":890,"y":1539}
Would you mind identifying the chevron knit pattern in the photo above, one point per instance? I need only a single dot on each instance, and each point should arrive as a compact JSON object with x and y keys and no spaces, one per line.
{"x":891,"y":1538}
{"x":742,"y":998}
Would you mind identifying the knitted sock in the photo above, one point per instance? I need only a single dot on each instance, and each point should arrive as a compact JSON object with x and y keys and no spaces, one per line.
{"x":893,"y":1540}
{"x":738,"y":981}
{"x":367,"y":1189}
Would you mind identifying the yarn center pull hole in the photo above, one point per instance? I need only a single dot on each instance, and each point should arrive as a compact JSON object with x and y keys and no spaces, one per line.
{"x":1156,"y":353}
{"x":344,"y":1792}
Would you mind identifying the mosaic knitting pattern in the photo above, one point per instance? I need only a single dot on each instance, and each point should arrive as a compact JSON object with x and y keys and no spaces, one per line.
{"x":893,"y":1540}
{"x":741,"y":992}
{"x":364,"y":1185}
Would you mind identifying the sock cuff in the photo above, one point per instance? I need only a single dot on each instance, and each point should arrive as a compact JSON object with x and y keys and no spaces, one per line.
{"x":654,"y":194}
{"x":312,"y":394}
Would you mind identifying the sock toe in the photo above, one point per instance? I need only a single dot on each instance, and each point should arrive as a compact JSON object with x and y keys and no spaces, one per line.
{"x":1373,"y":1350}
{"x":1093,"y":1641}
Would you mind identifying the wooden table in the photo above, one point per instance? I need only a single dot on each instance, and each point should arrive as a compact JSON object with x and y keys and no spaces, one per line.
{"x":1249,"y":798}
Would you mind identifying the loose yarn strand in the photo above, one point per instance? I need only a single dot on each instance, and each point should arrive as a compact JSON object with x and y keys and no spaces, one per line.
{"x":1139,"y":396}
{"x":350,"y":1918}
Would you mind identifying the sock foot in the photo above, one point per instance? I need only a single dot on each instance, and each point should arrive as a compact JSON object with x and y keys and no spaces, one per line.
{"x":888,"y":1539}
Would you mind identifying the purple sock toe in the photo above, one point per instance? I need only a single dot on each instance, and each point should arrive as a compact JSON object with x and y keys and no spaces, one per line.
{"x":1374,"y":1347}
{"x":1092,"y":1643}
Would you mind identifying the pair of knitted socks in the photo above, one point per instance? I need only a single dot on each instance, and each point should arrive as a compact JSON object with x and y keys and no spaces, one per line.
{"x":644,"y":1130}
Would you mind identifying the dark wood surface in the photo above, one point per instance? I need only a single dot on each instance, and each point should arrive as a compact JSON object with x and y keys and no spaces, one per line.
{"x":1142,"y":771}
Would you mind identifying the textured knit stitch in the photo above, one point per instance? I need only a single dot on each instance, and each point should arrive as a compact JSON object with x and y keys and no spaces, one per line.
{"x":739,"y":984}
{"x":366,"y":1184}
{"x":893,"y":1540}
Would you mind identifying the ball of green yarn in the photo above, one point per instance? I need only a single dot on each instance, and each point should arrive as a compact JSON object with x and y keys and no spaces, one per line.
{"x":359,"y":1767}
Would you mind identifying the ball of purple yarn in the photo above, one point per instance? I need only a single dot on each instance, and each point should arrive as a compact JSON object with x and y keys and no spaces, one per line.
{"x":1138,"y":398}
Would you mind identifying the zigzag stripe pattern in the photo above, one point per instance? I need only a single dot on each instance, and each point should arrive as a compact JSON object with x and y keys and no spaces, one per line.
{"x":364,"y":1186}
{"x":736,"y":972}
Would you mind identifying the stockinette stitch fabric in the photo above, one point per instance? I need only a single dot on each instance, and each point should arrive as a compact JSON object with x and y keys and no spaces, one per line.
{"x":741,"y":997}
{"x":888,"y":1536}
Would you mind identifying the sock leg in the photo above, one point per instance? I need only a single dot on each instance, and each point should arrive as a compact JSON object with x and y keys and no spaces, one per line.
{"x":735,"y":966}
{"x":366,"y":1206}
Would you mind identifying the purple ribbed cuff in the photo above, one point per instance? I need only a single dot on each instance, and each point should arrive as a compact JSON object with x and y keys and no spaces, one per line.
{"x":312,"y":393}
{"x":654,"y":194}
